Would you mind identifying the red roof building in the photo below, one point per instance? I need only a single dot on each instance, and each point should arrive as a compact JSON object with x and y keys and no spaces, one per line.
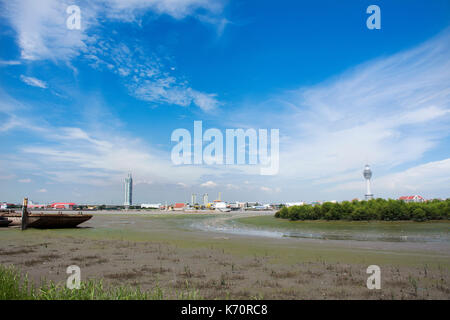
{"x":4,"y":205}
{"x":62,"y":205}
{"x":415,"y":198}
{"x":179,"y":206}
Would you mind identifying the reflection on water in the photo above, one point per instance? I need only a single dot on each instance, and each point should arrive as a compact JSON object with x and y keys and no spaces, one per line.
{"x":365,"y":237}
{"x":384,"y":233}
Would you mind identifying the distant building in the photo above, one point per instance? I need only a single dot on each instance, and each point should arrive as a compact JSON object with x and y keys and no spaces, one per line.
{"x":251,"y":204}
{"x":221,"y":206}
{"x":151,"y":205}
{"x":128,"y":190}
{"x":237,"y":205}
{"x":179,"y":206}
{"x":415,"y":198}
{"x":63,"y":205}
{"x":205,"y":199}
{"x":36,"y":206}
{"x":4,"y":205}
{"x":262,"y":207}
{"x":291,"y":204}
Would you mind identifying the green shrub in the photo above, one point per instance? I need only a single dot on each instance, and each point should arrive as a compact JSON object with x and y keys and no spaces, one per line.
{"x":378,"y":209}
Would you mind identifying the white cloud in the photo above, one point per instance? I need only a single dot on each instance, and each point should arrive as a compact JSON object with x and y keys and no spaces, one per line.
{"x":9,"y":123}
{"x":388,"y":112}
{"x":24,"y":180}
{"x":429,"y":179}
{"x":42,"y":190}
{"x":41,"y":29}
{"x":178,"y":9}
{"x":43,"y":35}
{"x":33,"y":82}
{"x":182,"y":185}
{"x":9,"y":62}
{"x":147,"y":78}
{"x":98,"y":156}
{"x":73,"y":155}
{"x":231,"y":186}
{"x":271,"y":190}
{"x":209,"y":184}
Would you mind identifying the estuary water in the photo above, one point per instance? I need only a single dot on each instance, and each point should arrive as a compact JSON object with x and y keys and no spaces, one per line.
{"x":267,"y":226}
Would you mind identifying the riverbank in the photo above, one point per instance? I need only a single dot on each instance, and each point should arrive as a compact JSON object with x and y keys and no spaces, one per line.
{"x":165,"y":251}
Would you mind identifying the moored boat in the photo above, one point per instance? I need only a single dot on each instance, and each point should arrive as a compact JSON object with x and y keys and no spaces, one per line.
{"x":48,"y":220}
{"x":4,"y":222}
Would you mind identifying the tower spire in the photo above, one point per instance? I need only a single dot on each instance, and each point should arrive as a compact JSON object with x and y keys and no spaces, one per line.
{"x":128,"y":183}
{"x":367,"y":173}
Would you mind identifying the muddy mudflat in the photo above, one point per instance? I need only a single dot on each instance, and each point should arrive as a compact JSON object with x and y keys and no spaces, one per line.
{"x":174,"y":252}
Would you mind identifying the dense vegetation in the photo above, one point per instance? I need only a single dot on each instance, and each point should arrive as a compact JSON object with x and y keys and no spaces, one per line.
{"x":13,"y":286}
{"x":378,"y":209}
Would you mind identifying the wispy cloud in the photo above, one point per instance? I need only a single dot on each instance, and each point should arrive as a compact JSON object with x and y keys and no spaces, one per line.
{"x":427,"y":179}
{"x":34,"y":82}
{"x":43,"y":35}
{"x":42,"y":31}
{"x":147,"y":77}
{"x":9,"y":62}
{"x":209,"y":184}
{"x":178,"y":9}
{"x":389,"y":112}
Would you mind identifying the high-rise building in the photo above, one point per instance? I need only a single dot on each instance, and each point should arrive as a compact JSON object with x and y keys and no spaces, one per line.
{"x":128,"y":190}
{"x":193,"y":199}
{"x":205,"y":199}
{"x":367,"y":173}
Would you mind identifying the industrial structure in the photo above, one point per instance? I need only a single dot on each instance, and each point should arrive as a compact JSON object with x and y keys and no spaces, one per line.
{"x":367,"y":173}
{"x":128,"y":190}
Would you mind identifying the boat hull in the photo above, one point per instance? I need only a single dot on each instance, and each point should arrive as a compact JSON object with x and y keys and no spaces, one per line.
{"x":4,"y":223}
{"x":49,"y":221}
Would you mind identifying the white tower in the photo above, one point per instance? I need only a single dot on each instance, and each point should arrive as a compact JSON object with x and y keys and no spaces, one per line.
{"x":193,"y":199}
{"x":205,"y":199}
{"x":367,"y":173}
{"x":128,"y":190}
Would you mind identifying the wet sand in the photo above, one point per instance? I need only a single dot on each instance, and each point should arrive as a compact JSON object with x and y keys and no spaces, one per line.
{"x":174,"y":252}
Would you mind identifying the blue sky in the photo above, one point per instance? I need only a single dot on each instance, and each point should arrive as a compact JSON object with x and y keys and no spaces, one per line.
{"x":79,"y":108}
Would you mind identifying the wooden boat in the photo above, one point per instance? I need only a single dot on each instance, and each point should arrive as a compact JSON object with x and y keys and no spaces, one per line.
{"x":48,"y":220}
{"x":43,"y":220}
{"x":4,"y":222}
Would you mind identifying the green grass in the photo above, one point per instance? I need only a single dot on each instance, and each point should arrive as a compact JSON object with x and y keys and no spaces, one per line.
{"x":14,"y":286}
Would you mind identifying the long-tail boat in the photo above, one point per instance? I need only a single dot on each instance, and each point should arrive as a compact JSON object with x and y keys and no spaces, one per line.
{"x":45,"y":220}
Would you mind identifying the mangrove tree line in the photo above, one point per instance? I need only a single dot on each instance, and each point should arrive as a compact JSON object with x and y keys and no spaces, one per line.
{"x":377,"y":209}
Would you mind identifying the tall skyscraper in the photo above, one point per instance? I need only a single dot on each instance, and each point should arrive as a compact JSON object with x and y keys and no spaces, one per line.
{"x":193,"y":199}
{"x":128,"y":190}
{"x":367,"y":173}
{"x":205,"y":199}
